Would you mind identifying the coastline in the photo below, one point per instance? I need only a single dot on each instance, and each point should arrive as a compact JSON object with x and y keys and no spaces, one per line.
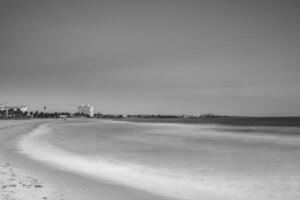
{"x":18,"y":182}
{"x":46,"y":168}
{"x":21,"y":178}
{"x":52,"y":183}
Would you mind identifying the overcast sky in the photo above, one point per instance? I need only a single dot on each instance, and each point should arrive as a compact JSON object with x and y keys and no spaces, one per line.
{"x":225,"y":57}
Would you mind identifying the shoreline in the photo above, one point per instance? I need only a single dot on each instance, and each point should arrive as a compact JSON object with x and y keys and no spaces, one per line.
{"x":130,"y":175}
{"x":22,"y":178}
{"x":18,"y":181}
{"x":48,"y":169}
{"x":55,"y":183}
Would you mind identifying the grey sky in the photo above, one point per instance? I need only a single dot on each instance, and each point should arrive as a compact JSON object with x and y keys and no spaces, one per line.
{"x":225,"y":57}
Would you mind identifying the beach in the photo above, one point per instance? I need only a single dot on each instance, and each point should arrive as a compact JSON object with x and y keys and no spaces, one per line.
{"x":104,"y":159}
{"x":22,"y":178}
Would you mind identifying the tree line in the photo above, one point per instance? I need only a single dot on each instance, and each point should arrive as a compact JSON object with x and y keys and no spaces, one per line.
{"x":18,"y":114}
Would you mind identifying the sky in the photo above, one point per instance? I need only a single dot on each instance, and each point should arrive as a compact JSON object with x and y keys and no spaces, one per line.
{"x":231,"y":57}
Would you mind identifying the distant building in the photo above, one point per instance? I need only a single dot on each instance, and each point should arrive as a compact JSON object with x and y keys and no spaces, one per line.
{"x":14,"y":108}
{"x":86,"y":110}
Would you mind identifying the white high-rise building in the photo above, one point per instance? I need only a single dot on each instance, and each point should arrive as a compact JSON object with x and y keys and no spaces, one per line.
{"x":86,"y":110}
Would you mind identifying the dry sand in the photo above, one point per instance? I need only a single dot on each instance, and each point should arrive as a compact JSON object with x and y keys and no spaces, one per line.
{"x":17,"y":180}
{"x":16,"y":184}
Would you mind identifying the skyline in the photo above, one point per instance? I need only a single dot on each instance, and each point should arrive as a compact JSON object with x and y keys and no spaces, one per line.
{"x":152,"y":57}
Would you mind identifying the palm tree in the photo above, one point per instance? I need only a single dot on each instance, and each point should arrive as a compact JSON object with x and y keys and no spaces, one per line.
{"x":11,"y":113}
{"x":2,"y":113}
{"x":18,"y":113}
{"x":36,"y":114}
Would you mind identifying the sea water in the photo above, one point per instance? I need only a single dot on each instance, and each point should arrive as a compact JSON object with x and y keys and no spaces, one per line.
{"x":176,"y":160}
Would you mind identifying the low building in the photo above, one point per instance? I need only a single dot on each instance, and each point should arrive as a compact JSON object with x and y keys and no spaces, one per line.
{"x":87,"y":110}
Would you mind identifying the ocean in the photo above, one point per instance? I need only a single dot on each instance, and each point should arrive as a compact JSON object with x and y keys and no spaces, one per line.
{"x":174,"y":160}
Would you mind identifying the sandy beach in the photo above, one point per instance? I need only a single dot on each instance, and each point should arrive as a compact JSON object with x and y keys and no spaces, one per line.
{"x":113,"y":160}
{"x":19,"y":178}
{"x":22,"y":178}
